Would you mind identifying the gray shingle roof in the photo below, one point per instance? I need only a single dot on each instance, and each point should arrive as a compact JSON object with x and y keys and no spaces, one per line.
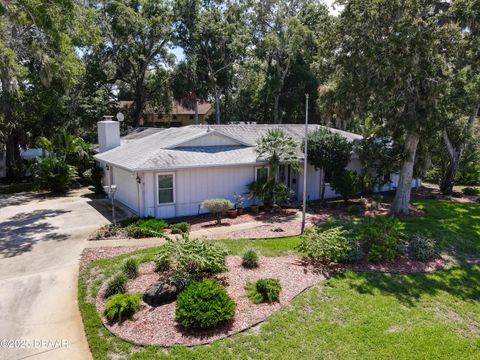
{"x":158,"y":150}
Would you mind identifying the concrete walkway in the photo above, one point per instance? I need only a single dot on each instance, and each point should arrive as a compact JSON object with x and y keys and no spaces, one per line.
{"x":41,"y":239}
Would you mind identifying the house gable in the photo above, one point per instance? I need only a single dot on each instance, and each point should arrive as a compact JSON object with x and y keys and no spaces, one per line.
{"x":209,"y":138}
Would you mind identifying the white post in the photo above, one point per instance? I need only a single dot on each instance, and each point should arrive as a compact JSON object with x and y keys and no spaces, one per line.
{"x":304,"y":205}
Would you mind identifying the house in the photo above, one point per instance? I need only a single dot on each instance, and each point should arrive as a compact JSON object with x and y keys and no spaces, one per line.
{"x":155,"y":116}
{"x":169,"y":173}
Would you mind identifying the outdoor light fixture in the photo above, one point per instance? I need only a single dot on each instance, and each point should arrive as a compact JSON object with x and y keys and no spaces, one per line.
{"x":110,"y":190}
{"x":139,"y":181}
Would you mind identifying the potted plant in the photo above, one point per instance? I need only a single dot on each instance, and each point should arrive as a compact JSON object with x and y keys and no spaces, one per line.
{"x":238,"y":201}
{"x":232,"y":213}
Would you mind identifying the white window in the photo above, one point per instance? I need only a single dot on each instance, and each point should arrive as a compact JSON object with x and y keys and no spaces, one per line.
{"x":261,"y":174}
{"x":166,"y":190}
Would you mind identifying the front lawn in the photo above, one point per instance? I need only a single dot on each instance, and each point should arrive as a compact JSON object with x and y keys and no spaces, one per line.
{"x":351,"y":315}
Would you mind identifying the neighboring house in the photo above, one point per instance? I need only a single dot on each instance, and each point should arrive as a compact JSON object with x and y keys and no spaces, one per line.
{"x":170,"y":172}
{"x":155,"y":116}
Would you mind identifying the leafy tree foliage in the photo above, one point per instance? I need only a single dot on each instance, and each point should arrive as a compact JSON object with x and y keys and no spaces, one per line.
{"x":402,"y":89}
{"x":328,"y":151}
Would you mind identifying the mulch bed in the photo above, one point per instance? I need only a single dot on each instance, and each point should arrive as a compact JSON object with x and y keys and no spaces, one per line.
{"x":157,"y":325}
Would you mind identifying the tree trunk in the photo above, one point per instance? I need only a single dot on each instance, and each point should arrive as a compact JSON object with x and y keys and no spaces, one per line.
{"x":322,"y":192}
{"x":196,"y":112}
{"x":276,"y":105}
{"x":455,"y":154}
{"x":402,"y":195}
{"x":12,"y":153}
{"x":217,"y":106}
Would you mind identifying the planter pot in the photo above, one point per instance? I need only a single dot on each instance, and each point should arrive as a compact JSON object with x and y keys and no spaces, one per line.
{"x":240,"y":211}
{"x":255,"y":208}
{"x":232,"y":213}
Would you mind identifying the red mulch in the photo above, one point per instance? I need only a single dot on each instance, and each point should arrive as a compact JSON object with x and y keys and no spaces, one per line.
{"x":157,"y":325}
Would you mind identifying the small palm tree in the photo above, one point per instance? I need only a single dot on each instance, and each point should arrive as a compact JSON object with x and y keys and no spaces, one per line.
{"x":277,"y":147}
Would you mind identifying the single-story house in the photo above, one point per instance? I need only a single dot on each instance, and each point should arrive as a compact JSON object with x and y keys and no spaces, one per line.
{"x":169,"y":173}
{"x":179,"y":115}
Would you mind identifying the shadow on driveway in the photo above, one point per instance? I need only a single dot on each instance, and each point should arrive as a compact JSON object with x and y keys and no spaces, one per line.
{"x":20,"y":232}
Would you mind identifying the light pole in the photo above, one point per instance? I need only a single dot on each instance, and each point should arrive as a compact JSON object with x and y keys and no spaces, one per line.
{"x":304,"y":205}
{"x":110,"y":190}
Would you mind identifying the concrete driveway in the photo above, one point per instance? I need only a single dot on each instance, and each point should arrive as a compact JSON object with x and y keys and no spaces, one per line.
{"x":41,"y":239}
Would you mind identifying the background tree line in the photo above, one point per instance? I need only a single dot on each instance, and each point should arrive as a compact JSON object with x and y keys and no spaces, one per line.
{"x":403,"y":70}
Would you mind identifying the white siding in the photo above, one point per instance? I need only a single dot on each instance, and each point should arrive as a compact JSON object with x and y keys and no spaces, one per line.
{"x":127,"y":192}
{"x":313,"y":184}
{"x":192,"y":186}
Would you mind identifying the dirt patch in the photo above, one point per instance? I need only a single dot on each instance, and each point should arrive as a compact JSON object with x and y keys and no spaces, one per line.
{"x":157,"y":325}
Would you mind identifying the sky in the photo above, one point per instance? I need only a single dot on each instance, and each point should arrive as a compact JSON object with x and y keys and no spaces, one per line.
{"x":334,"y":10}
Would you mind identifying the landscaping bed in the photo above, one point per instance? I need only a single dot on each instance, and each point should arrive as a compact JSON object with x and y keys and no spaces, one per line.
{"x":157,"y":325}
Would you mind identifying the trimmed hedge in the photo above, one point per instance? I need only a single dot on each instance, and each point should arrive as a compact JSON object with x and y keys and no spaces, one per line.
{"x":203,"y":305}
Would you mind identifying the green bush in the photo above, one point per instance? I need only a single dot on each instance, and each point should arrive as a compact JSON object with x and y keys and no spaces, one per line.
{"x":179,"y":279}
{"x":122,"y":306}
{"x":355,"y":254}
{"x":180,"y":228}
{"x":196,"y":257}
{"x":94,"y":176}
{"x":130,"y":268}
{"x":148,"y":227}
{"x":264,"y":290}
{"x":421,"y":247}
{"x":382,"y":238}
{"x":347,"y":183}
{"x":354,"y":209}
{"x":118,"y":285}
{"x":270,"y":192}
{"x":203,"y":305}
{"x":471,"y":191}
{"x":163,"y":263}
{"x":217,"y":207}
{"x":53,"y":174}
{"x":250,"y":259}
{"x":325,"y":246}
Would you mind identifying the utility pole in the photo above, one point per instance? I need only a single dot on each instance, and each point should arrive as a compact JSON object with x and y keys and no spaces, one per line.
{"x":304,"y":205}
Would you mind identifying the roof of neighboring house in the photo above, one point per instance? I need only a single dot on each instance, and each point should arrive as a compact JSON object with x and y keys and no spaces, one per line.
{"x":204,"y":108}
{"x":171,"y":148}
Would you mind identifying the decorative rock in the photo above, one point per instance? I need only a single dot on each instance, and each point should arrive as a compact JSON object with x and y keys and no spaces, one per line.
{"x":160,"y":293}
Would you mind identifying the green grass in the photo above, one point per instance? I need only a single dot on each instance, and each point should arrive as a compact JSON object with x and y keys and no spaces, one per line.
{"x":455,"y":226}
{"x":265,"y":247}
{"x":349,"y":316}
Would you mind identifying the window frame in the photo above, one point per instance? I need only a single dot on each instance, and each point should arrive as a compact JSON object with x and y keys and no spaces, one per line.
{"x":158,"y":189}
{"x":261,"y":167}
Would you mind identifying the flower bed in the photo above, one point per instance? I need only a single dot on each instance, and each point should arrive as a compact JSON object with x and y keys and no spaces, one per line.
{"x":157,"y":325}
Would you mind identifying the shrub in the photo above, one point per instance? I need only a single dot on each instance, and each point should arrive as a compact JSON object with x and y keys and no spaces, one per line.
{"x":347,"y":183}
{"x":162,"y":262}
{"x":118,"y":285}
{"x":270,"y":192}
{"x":421,"y":247}
{"x":148,"y":227}
{"x":179,"y":279}
{"x":250,"y":259}
{"x":122,"y":306}
{"x":355,"y":254}
{"x":130,"y":268}
{"x":471,"y":191}
{"x":53,"y":174}
{"x":382,"y":238}
{"x":180,"y":228}
{"x":354,"y":209}
{"x":203,"y":305}
{"x":94,"y":176}
{"x":264,"y":290}
{"x":377,"y":198}
{"x":193,"y":256}
{"x":325,"y":246}
{"x":217,"y":207}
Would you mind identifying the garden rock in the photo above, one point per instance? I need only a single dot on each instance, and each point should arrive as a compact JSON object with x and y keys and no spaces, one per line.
{"x":160,"y":293}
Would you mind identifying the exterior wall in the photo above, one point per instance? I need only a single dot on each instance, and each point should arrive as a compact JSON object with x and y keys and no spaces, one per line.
{"x":192,"y":186}
{"x":313,"y":184}
{"x":127,"y":187}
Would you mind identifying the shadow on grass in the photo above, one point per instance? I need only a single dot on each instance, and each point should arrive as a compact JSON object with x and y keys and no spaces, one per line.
{"x":462,"y":282}
{"x":455,"y":226}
